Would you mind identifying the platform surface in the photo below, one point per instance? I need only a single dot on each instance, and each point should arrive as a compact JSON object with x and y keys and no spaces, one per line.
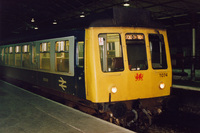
{"x":24,"y":112}
{"x":181,"y":79}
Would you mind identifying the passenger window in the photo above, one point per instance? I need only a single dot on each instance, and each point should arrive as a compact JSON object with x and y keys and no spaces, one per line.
{"x":2,"y":55}
{"x":80,"y":54}
{"x":11,"y":57}
{"x":136,"y":51}
{"x":45,"y":56}
{"x":62,"y":56}
{"x":6,"y":56}
{"x":111,"y":53}
{"x":158,"y":54}
{"x":26,"y":56}
{"x":34,"y":58}
{"x":18,"y":56}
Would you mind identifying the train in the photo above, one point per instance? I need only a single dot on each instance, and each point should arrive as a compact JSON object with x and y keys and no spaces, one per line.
{"x":120,"y":65}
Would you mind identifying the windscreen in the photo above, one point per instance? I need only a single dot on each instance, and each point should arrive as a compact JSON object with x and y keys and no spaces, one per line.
{"x":136,"y":51}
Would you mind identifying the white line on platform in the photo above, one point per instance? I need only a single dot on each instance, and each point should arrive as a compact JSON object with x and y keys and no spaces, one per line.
{"x":186,"y":87}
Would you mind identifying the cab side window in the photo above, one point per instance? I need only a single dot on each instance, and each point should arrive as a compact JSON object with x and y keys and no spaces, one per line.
{"x":158,"y":53}
{"x":110,"y":52}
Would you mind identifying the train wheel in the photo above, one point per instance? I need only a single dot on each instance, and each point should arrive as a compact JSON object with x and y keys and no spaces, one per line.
{"x":145,"y":120}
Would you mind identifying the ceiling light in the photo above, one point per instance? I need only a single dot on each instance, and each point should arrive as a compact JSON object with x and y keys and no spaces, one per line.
{"x":32,"y":20}
{"x":36,"y":28}
{"x":82,"y":15}
{"x":55,"y":22}
{"x":126,"y":3}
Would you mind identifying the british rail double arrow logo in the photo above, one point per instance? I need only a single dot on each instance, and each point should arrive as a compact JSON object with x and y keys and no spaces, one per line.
{"x":62,"y":83}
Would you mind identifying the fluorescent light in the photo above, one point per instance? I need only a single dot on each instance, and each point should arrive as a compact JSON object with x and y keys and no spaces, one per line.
{"x":82,"y":15}
{"x":55,"y":22}
{"x":126,"y":4}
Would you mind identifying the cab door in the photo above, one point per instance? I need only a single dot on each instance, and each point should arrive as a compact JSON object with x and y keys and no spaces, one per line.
{"x":79,"y":71}
{"x":161,"y":66}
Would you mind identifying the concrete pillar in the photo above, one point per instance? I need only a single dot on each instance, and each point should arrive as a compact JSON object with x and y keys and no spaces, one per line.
{"x":193,"y":54}
{"x":193,"y":45}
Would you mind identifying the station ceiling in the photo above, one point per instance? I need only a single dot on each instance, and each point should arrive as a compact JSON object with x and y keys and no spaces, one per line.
{"x":23,"y":16}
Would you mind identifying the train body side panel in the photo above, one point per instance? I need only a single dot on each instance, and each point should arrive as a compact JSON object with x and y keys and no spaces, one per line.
{"x":90,"y":68}
{"x":65,"y":82}
{"x":50,"y":81}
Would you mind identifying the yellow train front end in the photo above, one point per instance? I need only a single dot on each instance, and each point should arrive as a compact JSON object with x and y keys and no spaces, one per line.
{"x":126,"y":64}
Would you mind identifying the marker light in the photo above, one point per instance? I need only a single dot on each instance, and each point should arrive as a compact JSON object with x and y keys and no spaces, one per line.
{"x":114,"y":89}
{"x":162,"y":85}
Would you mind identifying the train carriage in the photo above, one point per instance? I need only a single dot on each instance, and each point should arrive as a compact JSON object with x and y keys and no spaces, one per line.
{"x":117,"y":64}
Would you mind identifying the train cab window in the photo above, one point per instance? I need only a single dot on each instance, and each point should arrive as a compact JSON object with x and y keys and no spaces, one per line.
{"x":26,"y":56}
{"x":136,"y":51}
{"x":6,"y":56}
{"x":18,"y":56}
{"x":45,"y":56}
{"x":10,"y":56}
{"x":157,"y":49}
{"x":62,"y":56}
{"x":111,"y":52}
{"x":80,"y":52}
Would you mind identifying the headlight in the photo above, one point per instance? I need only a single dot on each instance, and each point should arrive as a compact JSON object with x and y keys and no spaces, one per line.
{"x":162,"y":85}
{"x":114,"y":89}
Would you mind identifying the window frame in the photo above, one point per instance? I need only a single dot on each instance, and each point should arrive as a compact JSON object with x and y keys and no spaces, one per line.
{"x":36,"y":44}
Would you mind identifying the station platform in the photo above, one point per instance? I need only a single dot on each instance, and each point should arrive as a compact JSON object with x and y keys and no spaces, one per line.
{"x":182,"y":80}
{"x":24,"y":112}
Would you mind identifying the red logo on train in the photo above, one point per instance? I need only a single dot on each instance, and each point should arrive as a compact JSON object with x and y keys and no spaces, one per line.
{"x":139,"y":77}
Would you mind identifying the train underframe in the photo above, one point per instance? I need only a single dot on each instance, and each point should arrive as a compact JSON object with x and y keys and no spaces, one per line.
{"x":135,"y":113}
